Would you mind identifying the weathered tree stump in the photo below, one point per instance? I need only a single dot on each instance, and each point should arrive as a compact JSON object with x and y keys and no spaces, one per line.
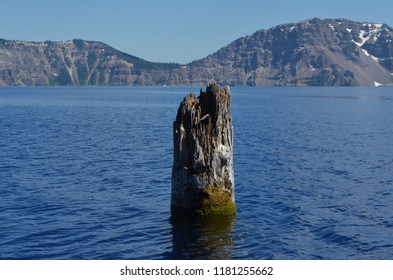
{"x":202,"y":172}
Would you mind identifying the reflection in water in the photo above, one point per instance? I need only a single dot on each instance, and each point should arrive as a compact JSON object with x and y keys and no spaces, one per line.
{"x":202,"y":238}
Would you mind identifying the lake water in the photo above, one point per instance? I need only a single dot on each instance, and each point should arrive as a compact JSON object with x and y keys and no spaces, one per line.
{"x":85,"y":173}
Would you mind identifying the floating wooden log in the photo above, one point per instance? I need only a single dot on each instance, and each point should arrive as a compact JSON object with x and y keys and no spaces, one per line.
{"x":202,"y":172}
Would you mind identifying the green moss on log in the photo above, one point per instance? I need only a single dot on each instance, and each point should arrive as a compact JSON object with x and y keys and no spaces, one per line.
{"x":216,"y":201}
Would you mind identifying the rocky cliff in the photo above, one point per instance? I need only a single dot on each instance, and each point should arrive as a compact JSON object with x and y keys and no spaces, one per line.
{"x":75,"y":62}
{"x":310,"y":53}
{"x":315,"y":52}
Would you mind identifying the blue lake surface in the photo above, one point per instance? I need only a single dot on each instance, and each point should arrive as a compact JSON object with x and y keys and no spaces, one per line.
{"x":85,"y":173}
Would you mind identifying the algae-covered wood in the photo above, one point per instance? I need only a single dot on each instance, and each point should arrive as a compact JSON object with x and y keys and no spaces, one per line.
{"x":202,"y":174}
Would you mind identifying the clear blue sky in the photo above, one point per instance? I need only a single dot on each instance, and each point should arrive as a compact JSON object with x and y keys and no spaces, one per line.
{"x":170,"y":30}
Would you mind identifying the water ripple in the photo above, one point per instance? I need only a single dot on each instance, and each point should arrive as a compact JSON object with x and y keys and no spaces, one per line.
{"x":85,"y":173}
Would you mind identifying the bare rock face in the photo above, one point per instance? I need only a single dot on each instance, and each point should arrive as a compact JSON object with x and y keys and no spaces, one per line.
{"x":314,"y":52}
{"x":202,"y":174}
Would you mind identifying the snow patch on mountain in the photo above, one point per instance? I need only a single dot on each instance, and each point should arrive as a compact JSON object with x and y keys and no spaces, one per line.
{"x":367,"y":54}
{"x":373,"y":31}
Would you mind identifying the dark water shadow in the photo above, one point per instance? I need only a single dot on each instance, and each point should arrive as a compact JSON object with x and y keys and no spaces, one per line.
{"x":201,"y":238}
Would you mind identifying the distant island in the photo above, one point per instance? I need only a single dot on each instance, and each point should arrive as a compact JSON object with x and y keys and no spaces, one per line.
{"x":314,"y":52}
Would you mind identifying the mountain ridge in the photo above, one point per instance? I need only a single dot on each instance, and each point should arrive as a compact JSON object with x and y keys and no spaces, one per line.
{"x":72,"y":62}
{"x":288,"y":54}
{"x":313,"y":52}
